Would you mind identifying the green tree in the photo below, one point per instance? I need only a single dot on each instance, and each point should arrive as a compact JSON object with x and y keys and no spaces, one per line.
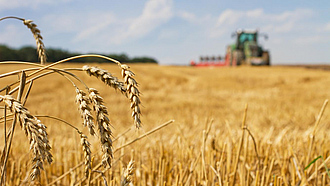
{"x":143,"y":60}
{"x":7,"y":54}
{"x":28,"y":53}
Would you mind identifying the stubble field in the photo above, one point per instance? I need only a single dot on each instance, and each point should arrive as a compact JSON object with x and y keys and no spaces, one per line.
{"x":243,"y":126}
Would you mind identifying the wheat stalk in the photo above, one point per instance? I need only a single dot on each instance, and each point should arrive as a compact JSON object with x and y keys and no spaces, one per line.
{"x":36,"y":132}
{"x":133,"y":93}
{"x":37,"y":36}
{"x":103,"y":123}
{"x":127,"y":175}
{"x":105,"y":77}
{"x":83,"y":101}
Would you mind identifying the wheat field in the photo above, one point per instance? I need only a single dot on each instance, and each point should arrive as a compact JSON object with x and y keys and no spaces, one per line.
{"x":232,"y":126}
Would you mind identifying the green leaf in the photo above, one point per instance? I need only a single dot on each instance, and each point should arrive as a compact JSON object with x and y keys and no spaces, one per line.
{"x":312,"y":162}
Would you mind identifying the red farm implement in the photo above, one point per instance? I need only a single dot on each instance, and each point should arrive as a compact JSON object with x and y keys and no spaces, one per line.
{"x":245,"y":51}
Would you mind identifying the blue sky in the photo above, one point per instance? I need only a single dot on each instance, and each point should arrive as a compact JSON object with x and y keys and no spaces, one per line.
{"x":173,"y":32}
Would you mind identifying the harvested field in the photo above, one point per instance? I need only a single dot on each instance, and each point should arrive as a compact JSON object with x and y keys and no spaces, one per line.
{"x":242,"y":125}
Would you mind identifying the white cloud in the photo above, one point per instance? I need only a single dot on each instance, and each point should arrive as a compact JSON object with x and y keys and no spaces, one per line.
{"x":229,"y":17}
{"x":192,"y":18}
{"x":154,"y":14}
{"x":95,"y":26}
{"x":61,"y":23}
{"x":12,"y":4}
{"x":106,"y":28}
{"x":294,"y":15}
{"x":313,"y":39}
{"x":4,"y":5}
{"x":81,"y":27}
{"x":327,"y":27}
{"x":282,"y":22}
{"x":257,"y":13}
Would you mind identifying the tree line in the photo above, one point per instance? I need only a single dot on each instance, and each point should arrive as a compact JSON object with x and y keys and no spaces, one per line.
{"x":29,"y":54}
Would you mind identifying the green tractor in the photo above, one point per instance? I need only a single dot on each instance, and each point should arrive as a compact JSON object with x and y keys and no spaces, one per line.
{"x":246,"y":50}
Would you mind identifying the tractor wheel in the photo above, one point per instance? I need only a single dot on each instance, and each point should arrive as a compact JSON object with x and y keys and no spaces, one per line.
{"x":237,"y":58}
{"x":266,"y":58}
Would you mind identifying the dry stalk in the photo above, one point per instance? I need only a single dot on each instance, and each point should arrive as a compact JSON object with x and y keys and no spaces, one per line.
{"x":298,"y":167}
{"x":3,"y":154}
{"x":66,"y":174}
{"x":318,"y":168}
{"x":217,"y":173}
{"x":133,"y":93}
{"x":194,"y":163}
{"x":103,"y":123}
{"x":144,"y":135}
{"x":36,"y":132}
{"x":83,"y":101}
{"x":127,"y":175}
{"x":11,"y":133}
{"x":255,"y":145}
{"x":312,"y":136}
{"x":240,"y":145}
{"x":105,"y":77}
{"x":27,"y":93}
{"x":37,"y":36}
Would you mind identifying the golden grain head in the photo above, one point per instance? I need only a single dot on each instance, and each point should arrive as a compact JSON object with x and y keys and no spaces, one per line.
{"x":36,"y":133}
{"x":106,"y":77}
{"x":87,"y":154}
{"x":134,"y":94}
{"x":38,"y":38}
{"x":83,"y":102}
{"x":127,"y":174}
{"x":103,"y":123}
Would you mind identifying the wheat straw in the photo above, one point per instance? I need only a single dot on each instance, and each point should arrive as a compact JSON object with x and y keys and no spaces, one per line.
{"x":105,"y":77}
{"x":36,"y":132}
{"x":133,"y":92}
{"x":83,"y":101}
{"x":37,"y":36}
{"x":103,"y":123}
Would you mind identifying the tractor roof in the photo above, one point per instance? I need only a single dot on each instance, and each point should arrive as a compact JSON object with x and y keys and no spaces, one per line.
{"x":249,"y":31}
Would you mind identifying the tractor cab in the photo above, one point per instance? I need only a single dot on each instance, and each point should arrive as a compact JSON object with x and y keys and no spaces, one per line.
{"x":246,"y":49}
{"x":245,"y":36}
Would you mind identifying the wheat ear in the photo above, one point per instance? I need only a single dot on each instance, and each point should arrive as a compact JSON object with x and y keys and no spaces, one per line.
{"x":83,"y":101}
{"x":87,"y":153}
{"x":133,"y":93}
{"x":35,"y":131}
{"x":105,"y":77}
{"x":103,"y":124}
{"x":127,"y":175}
{"x":37,"y":36}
